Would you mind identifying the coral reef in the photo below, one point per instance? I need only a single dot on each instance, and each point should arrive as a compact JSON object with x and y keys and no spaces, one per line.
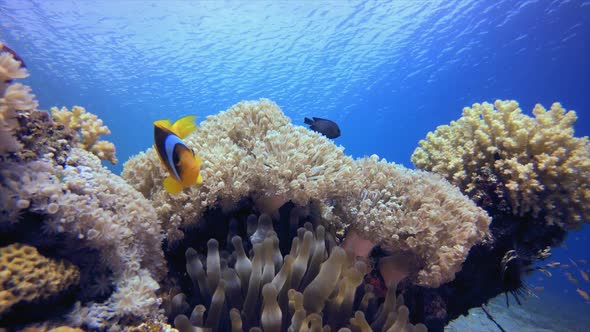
{"x":13,"y":98}
{"x":38,"y":136}
{"x":252,"y":150}
{"x":249,"y":150}
{"x":248,"y":283}
{"x":88,"y":203}
{"x":286,"y":230}
{"x":27,"y":276}
{"x":530,"y":174}
{"x":25,"y":132}
{"x":55,"y":196}
{"x":89,"y":127}
{"x":537,"y":165}
{"x":416,"y":216}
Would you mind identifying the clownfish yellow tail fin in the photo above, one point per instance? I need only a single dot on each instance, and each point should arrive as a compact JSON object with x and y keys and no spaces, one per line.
{"x":163,"y":123}
{"x":184,"y":126}
{"x":172,"y":186}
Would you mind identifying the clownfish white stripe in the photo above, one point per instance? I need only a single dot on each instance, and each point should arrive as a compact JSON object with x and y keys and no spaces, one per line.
{"x":169,"y":144}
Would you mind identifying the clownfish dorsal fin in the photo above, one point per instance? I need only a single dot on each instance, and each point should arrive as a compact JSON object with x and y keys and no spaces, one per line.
{"x":163,"y":123}
{"x":184,"y":126}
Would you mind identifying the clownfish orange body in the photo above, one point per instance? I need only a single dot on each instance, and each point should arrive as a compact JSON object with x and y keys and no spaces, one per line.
{"x":182,"y":164}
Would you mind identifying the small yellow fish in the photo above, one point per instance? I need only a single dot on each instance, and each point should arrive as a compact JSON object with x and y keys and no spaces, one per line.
{"x":583,"y":294}
{"x":584,"y":275}
{"x":180,"y":161}
{"x":539,"y":288}
{"x":553,"y":264}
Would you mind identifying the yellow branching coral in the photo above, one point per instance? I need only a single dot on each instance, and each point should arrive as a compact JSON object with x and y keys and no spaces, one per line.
{"x":104,"y":150}
{"x":89,"y":127}
{"x":539,"y":168}
{"x":27,"y":276}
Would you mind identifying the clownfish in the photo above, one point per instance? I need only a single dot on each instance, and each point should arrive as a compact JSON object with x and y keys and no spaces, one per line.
{"x":181,"y":162}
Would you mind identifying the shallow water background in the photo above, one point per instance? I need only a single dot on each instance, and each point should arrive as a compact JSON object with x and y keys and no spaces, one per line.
{"x":387,"y":72}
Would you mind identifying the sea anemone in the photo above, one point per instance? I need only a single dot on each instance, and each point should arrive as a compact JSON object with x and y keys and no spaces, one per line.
{"x":253,"y":280}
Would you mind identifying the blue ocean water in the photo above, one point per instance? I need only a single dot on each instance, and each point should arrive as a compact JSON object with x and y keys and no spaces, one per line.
{"x":387,"y":71}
